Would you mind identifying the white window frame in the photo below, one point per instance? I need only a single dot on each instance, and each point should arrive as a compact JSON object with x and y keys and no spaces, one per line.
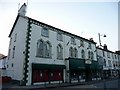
{"x":59,"y":36}
{"x":45,"y":32}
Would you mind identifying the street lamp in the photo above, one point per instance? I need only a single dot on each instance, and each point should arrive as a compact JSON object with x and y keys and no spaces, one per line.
{"x":99,"y":37}
{"x":102,"y":46}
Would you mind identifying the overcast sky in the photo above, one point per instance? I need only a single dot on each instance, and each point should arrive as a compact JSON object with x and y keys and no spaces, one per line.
{"x":85,"y":19}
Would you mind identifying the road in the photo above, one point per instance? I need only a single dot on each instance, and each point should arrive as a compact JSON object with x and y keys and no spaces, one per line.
{"x":107,"y":85}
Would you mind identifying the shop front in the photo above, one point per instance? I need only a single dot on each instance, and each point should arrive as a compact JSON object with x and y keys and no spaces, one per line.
{"x":47,"y":73}
{"x":97,"y":71}
{"x":77,"y":70}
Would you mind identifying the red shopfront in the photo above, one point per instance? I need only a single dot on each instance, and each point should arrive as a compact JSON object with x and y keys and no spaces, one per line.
{"x":47,"y":73}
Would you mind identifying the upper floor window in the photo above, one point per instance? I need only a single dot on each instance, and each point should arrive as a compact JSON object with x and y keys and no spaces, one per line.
{"x":48,"y":49}
{"x":40,"y":48}
{"x":104,"y":62}
{"x":71,"y":52}
{"x":59,"y":36}
{"x":59,"y":52}
{"x":89,"y":46}
{"x":92,"y":55}
{"x":45,"y":32}
{"x":83,"y":54}
{"x":113,"y":64}
{"x":15,"y":37}
{"x":13,"y":52}
{"x":73,"y":41}
{"x":43,"y":49}
{"x":10,"y":41}
{"x":112,"y":56}
{"x":109,"y":63}
{"x":9,"y":54}
{"x":89,"y":55}
{"x":115,"y":57}
{"x":108,"y":54}
{"x":82,"y":43}
{"x":75,"y":53}
{"x":103,"y":53}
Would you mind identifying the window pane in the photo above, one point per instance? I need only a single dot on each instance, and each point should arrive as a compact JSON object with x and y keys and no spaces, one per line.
{"x":40,"y":48}
{"x":59,"y":52}
{"x":59,"y":36}
{"x":45,"y":32}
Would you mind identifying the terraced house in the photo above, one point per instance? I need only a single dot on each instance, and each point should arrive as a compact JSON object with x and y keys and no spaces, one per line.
{"x":41,"y":53}
{"x":109,"y":61}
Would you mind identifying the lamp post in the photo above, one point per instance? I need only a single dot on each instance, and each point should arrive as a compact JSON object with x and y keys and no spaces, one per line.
{"x":102,"y":46}
{"x":100,"y":39}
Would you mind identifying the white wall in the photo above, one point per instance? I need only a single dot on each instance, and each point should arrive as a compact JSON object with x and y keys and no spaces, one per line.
{"x":36,"y":35}
{"x":17,"y":70}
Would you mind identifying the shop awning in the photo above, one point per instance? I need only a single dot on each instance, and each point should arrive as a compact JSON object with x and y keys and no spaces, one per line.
{"x":47,"y":66}
{"x":76,"y":64}
{"x":95,"y":66}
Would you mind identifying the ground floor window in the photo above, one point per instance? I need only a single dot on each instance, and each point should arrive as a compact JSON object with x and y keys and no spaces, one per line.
{"x":47,"y":75}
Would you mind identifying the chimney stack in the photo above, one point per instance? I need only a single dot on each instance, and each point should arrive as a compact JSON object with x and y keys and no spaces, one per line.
{"x":22,"y":10}
{"x":105,"y":47}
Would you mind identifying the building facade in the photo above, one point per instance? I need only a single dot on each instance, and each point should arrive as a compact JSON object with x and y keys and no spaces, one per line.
{"x":109,"y":61}
{"x":40,"y":53}
{"x":3,"y":66}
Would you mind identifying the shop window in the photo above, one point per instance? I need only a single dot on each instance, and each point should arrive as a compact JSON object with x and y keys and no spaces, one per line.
{"x":41,"y":74}
{"x":51,"y":74}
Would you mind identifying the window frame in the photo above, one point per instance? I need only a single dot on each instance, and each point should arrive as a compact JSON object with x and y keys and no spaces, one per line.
{"x":45,"y":32}
{"x":59,"y":36}
{"x":73,"y":42}
{"x":59,"y":53}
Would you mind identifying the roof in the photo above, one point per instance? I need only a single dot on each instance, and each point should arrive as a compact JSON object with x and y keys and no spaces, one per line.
{"x":65,"y":32}
{"x":2,"y":56}
{"x":14,"y":25}
{"x":105,"y":50}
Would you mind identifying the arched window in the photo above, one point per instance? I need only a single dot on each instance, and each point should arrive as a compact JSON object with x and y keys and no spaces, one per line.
{"x":92,"y":55}
{"x":48,"y":49}
{"x":71,"y":52}
{"x":75,"y":53}
{"x":43,"y":49}
{"x":40,"y":48}
{"x":89,"y":54}
{"x":59,"y":52}
{"x":82,"y":54}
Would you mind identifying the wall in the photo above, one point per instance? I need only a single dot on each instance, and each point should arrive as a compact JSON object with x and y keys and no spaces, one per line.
{"x":16,"y":70}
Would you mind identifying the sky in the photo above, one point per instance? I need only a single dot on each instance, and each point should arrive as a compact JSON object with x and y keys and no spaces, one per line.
{"x":85,"y":18}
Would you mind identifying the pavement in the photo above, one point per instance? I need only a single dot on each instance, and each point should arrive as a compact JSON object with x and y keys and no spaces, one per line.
{"x":15,"y":85}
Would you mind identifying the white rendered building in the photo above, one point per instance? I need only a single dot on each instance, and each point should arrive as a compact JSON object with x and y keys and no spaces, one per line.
{"x":41,"y":53}
{"x":109,"y":60}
